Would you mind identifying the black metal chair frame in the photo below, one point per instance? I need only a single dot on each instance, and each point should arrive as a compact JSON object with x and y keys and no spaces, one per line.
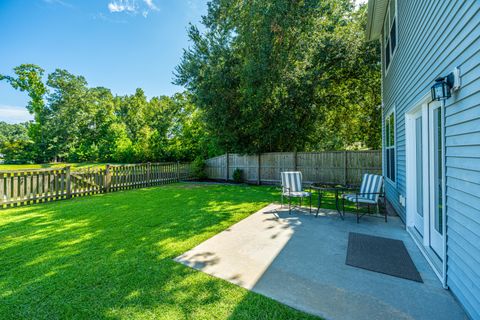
{"x":358,"y":204}
{"x":301,"y":199}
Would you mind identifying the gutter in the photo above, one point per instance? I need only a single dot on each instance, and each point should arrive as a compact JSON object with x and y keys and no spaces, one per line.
{"x":371,"y":9}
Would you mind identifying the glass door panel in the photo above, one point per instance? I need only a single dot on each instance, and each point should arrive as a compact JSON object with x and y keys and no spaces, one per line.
{"x":437,"y":126}
{"x":436,"y":180}
{"x":419,"y":179}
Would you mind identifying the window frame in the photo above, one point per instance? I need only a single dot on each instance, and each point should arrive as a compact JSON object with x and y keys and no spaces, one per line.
{"x":393,"y":147}
{"x":386,"y":39}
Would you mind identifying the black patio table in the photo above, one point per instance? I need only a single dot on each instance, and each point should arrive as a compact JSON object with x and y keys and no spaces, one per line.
{"x":325,"y":187}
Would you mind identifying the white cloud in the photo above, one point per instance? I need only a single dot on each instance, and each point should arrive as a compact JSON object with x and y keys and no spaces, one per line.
{"x":122,"y":5}
{"x":14,"y":114}
{"x":151,"y":5}
{"x":132,"y":7}
{"x":59,"y":2}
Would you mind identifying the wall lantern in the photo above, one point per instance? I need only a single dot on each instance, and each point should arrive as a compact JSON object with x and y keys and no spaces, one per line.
{"x":443,"y":87}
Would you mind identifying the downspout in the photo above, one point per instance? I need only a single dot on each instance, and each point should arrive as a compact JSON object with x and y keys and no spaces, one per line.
{"x":383,"y":117}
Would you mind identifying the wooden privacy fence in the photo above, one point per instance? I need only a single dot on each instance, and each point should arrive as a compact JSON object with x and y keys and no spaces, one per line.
{"x":21,"y":187}
{"x":338,"y":167}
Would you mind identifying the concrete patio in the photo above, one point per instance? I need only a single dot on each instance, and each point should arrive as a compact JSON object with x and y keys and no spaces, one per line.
{"x":299,"y":260}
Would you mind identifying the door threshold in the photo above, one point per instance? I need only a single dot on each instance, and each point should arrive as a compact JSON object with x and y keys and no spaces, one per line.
{"x":432,"y":258}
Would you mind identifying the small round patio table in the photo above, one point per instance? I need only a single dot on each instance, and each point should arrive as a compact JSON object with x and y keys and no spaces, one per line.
{"x":321,"y":188}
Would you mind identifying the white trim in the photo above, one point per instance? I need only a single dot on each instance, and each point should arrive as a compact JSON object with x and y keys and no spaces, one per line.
{"x":436,"y":245}
{"x":375,"y":16}
{"x":420,"y":105}
{"x":425,"y":105}
{"x":394,"y":51}
{"x":411,"y":166}
{"x":387,"y":115}
{"x":444,"y":195}
{"x":426,"y":165}
{"x":427,"y":256}
{"x":425,"y":99}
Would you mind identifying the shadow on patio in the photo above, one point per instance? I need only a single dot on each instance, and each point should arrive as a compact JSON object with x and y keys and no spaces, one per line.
{"x":299,"y":260}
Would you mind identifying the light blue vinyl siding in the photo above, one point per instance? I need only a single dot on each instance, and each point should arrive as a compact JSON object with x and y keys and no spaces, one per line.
{"x":434,"y":37}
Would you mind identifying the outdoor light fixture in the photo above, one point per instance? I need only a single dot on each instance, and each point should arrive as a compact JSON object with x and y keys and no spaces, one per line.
{"x":443,"y":87}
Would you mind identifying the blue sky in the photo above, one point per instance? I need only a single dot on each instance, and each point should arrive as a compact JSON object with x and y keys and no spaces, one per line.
{"x":118,"y":44}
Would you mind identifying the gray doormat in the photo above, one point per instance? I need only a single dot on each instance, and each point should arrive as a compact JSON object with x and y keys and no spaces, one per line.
{"x":382,"y":255}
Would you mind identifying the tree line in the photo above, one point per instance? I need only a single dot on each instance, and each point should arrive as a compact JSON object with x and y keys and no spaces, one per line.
{"x":74,"y":123}
{"x":260,"y":76}
{"x":285,"y":75}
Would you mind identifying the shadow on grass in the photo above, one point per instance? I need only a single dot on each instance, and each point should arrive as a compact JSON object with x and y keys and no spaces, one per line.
{"x":253,"y":306}
{"x":109,"y":256}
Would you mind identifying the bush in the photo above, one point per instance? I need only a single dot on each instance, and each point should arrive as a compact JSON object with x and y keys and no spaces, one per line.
{"x":238,"y":175}
{"x":198,"y":169}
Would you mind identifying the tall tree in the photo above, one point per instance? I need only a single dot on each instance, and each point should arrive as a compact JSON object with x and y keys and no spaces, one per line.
{"x":284,"y":75}
{"x":28,"y":77}
{"x":68,"y":106}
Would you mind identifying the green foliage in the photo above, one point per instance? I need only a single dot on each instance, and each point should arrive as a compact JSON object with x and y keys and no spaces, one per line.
{"x":198,"y":169}
{"x":284,"y":75}
{"x":262,"y":76}
{"x":73,"y":166}
{"x":15,"y":145}
{"x":238,"y":175}
{"x":29,"y":79}
{"x":77,"y":123}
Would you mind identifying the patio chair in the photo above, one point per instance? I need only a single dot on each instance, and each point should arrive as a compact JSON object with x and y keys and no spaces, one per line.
{"x":369,"y":194}
{"x":292,"y":187}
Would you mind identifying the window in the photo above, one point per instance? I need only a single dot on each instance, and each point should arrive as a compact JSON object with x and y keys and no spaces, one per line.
{"x":390,"y":146}
{"x":390,"y":33}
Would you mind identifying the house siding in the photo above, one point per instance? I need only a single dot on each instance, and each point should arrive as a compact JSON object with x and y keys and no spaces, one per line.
{"x":434,"y":37}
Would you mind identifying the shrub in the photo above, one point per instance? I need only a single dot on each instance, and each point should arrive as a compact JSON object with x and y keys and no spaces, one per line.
{"x":238,"y":175}
{"x":198,"y":169}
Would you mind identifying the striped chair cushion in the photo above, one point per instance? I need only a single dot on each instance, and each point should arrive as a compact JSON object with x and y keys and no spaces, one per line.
{"x":371,"y":183}
{"x":302,"y":194}
{"x":354,"y":198}
{"x":291,"y":181}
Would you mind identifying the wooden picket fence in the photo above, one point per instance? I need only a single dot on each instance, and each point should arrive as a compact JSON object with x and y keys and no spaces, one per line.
{"x":23,"y":187}
{"x":332,"y":167}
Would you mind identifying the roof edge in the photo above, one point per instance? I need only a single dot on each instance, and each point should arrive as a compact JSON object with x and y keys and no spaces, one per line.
{"x":375,"y":17}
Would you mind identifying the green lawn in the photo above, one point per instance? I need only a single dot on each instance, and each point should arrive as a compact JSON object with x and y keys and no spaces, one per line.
{"x":82,"y":165}
{"x":110,"y":256}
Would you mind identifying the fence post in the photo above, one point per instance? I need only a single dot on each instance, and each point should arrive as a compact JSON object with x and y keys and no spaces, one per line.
{"x":345,"y":171}
{"x":108,"y":178}
{"x":227,"y":164}
{"x":178,"y":171}
{"x":3,"y":196}
{"x":295,"y":160}
{"x":149,"y":170}
{"x":259,"y":169}
{"x":68,"y":181}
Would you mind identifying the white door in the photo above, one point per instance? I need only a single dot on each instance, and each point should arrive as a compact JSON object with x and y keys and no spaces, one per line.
{"x":436,"y":198}
{"x":418,"y":172}
{"x":425,"y":199}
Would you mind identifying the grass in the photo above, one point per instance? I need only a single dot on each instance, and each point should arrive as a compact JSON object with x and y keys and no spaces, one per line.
{"x":73,"y":166}
{"x":110,"y":256}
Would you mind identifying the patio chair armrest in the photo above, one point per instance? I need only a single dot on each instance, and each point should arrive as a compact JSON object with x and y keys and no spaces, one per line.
{"x":368,"y":193}
{"x":349,"y":188}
